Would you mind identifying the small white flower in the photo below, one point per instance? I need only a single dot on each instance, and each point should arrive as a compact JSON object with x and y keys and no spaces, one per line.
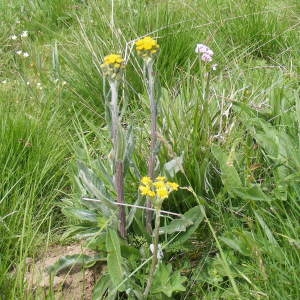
{"x":24,"y":34}
{"x":160,"y":253}
{"x":28,"y":83}
{"x":13,"y":37}
{"x":25,"y":54}
{"x":4,"y":81}
{"x":19,"y":52}
{"x":214,"y":67}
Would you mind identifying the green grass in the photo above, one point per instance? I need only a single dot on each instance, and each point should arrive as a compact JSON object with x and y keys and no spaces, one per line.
{"x":52,"y":112}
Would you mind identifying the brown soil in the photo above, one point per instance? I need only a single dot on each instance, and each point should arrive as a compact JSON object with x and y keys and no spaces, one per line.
{"x":74,"y":284}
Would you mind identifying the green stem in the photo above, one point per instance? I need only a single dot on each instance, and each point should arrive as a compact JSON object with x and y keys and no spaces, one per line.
{"x":155,"y":251}
{"x":152,"y":160}
{"x":205,"y":105}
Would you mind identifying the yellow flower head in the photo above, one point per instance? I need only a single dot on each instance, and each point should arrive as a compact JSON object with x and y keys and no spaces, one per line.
{"x":161,"y":178}
{"x":159,"y":184}
{"x":158,"y":189}
{"x":146,"y":180}
{"x":162,"y":193}
{"x":146,"y":191}
{"x":112,"y":65}
{"x":173,"y":186}
{"x":146,"y":47}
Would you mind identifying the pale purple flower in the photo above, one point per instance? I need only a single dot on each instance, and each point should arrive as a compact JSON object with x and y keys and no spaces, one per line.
{"x":206,"y":52}
{"x":209,"y":52}
{"x":201,"y":48}
{"x":206,"y":57}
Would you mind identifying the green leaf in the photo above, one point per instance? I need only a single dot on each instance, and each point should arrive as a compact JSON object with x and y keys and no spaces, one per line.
{"x":174,"y":166}
{"x":181,"y":224}
{"x":102,"y":286}
{"x":96,"y":188}
{"x":232,"y":181}
{"x":167,"y":281}
{"x":114,"y":258}
{"x":196,"y":216}
{"x":230,"y":176}
{"x":236,"y":245}
{"x":69,"y":261}
{"x":130,"y":143}
{"x":81,"y":214}
{"x":176,"y":225}
{"x":242,"y":241}
{"x":265,"y":228}
{"x":251,"y":193}
{"x":81,"y":231}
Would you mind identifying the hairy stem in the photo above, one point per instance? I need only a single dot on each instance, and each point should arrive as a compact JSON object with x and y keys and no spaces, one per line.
{"x":152,"y":160}
{"x":118,"y":164}
{"x":120,"y":196}
{"x":155,"y":251}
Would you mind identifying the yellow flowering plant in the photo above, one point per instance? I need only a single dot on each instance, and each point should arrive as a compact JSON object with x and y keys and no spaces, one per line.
{"x":112,"y":69}
{"x":157,"y":191}
{"x":147,"y":48}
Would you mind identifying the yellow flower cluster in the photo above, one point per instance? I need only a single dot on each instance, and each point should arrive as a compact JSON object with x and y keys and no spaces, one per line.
{"x":159,"y":188}
{"x":147,"y":47}
{"x":112,"y":65}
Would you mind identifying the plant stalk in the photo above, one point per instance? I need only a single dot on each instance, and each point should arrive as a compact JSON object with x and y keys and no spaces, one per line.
{"x":155,"y":251}
{"x":118,"y":163}
{"x":153,"y":145}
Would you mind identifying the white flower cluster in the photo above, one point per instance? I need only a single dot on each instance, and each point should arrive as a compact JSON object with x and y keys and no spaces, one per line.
{"x":23,"y":34}
{"x":24,"y":54}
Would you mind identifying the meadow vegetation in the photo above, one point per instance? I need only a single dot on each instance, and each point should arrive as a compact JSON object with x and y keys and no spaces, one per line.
{"x":233,"y":146}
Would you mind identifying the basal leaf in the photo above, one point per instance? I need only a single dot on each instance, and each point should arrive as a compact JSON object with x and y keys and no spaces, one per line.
{"x":101,"y":287}
{"x":114,"y":258}
{"x":69,"y":261}
{"x":167,"y":281}
{"x":81,"y":214}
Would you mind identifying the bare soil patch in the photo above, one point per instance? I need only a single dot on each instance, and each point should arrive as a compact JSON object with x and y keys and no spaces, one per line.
{"x":75,"y":283}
